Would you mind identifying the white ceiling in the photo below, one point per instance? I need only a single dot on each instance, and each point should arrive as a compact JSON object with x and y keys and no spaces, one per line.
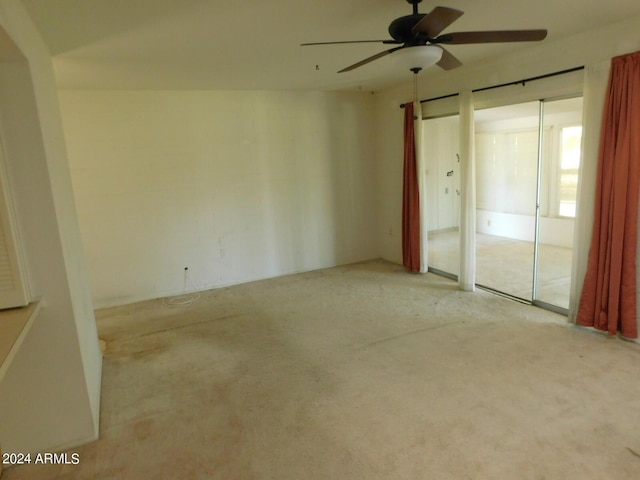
{"x":229,"y":44}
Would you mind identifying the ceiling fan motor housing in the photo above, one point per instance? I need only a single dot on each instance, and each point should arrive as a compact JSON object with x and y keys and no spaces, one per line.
{"x":400,"y":28}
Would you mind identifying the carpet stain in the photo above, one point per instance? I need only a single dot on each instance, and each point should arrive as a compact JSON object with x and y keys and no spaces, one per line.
{"x":155,"y":349}
{"x":411,"y":332}
{"x":188,"y":325}
{"x":143,"y":429}
{"x":633,"y":452}
{"x":138,"y":351}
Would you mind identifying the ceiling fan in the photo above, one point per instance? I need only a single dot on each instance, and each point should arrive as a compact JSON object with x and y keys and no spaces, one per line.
{"x":420,"y":29}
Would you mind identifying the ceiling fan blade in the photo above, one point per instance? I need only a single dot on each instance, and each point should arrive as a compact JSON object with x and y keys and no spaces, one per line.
{"x":436,"y":21}
{"x":448,"y":61}
{"x":350,"y":41}
{"x":497,"y":36}
{"x":370,"y":59}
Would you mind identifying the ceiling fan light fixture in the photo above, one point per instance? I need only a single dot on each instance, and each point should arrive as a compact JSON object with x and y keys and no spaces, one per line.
{"x":417,"y":57}
{"x":419,"y":38}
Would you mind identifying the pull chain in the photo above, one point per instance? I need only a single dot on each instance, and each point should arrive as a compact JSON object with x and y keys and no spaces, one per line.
{"x":415,"y":85}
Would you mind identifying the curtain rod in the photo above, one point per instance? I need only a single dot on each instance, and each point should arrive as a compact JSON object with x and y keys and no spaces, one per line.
{"x":518,"y":82}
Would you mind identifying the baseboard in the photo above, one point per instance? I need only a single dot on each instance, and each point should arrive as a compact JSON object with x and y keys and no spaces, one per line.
{"x":100,"y":304}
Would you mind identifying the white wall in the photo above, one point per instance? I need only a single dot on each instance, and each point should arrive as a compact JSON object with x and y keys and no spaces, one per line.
{"x":50,"y":397}
{"x":542,"y":58}
{"x":236,"y":186}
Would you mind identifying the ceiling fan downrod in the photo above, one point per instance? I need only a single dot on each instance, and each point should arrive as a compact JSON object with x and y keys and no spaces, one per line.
{"x":415,"y":5}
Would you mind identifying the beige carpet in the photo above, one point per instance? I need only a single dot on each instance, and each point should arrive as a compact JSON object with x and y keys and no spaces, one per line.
{"x":358,"y":372}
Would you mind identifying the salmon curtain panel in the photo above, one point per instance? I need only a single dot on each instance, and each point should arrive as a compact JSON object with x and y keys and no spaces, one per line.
{"x":411,"y":247}
{"x":608,"y":300}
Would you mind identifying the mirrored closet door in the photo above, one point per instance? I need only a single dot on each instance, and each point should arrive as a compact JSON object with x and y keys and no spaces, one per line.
{"x":527,"y":163}
{"x":442,"y":161}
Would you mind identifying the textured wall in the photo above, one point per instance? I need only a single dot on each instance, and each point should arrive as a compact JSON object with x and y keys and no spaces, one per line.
{"x":236,"y":186}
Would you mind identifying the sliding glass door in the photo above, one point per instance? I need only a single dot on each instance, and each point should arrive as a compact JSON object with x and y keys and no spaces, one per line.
{"x":527,"y":160}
